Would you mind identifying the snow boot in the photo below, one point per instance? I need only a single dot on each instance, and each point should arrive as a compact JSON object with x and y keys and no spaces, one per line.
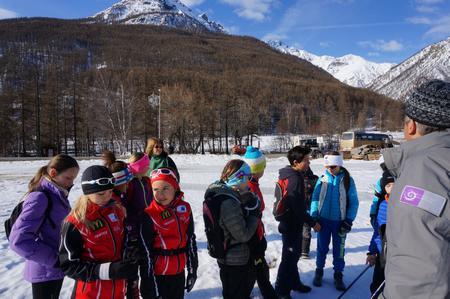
{"x":301,"y":288}
{"x":317,"y":282}
{"x":338,"y":282}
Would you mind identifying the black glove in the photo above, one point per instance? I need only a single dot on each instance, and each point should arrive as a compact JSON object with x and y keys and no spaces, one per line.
{"x":190,"y":281}
{"x":123,"y":270}
{"x":346,"y":226}
{"x":251,"y":204}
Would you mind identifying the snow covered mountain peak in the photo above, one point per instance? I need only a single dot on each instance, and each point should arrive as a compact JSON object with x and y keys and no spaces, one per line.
{"x":350,"y":69}
{"x":432,"y":62}
{"x":171,"y":13}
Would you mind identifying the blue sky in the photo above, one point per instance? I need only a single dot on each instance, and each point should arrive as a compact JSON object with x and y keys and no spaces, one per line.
{"x":378,"y":30}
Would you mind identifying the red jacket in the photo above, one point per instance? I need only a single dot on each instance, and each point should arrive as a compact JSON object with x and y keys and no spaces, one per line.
{"x":254,"y":187}
{"x":84,"y":248}
{"x":168,"y":238}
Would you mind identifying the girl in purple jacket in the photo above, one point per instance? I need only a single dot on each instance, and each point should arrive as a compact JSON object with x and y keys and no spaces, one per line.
{"x":35,"y":236}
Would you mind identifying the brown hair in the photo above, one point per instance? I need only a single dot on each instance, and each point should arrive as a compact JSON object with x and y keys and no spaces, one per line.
{"x":59,"y":162}
{"x":108,"y":158}
{"x":151,"y":142}
{"x":231,"y":167}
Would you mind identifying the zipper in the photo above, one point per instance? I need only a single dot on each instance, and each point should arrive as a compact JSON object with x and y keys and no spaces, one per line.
{"x":113,"y":289}
{"x":112,"y":234}
{"x":181,"y":237}
{"x":145,"y":193}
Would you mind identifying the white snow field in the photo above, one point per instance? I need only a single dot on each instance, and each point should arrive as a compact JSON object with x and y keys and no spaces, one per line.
{"x":197,"y":172}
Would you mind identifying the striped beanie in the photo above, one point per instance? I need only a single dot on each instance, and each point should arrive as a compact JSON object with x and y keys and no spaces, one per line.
{"x":255,"y":159}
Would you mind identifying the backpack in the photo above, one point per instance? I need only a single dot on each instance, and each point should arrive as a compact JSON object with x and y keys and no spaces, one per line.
{"x":217,"y":245}
{"x":280,"y":209}
{"x":18,"y":209}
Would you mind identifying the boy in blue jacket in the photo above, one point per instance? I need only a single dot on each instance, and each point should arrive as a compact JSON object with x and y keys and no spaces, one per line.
{"x":335,"y":205}
{"x":376,"y":255}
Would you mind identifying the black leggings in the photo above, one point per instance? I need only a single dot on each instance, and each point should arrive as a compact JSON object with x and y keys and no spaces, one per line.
{"x":47,"y":289}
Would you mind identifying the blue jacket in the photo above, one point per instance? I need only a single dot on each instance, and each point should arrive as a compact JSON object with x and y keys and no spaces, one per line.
{"x":376,"y":241}
{"x":331,"y":207}
{"x":373,"y":207}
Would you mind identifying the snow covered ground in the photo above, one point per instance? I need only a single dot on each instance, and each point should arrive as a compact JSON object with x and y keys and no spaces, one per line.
{"x":197,"y":172}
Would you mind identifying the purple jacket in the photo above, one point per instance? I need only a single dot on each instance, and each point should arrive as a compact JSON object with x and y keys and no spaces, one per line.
{"x":139,"y":197}
{"x":40,"y":248}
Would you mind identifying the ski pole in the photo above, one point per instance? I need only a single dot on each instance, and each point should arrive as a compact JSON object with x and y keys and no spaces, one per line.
{"x":377,"y":292}
{"x":353,"y":282}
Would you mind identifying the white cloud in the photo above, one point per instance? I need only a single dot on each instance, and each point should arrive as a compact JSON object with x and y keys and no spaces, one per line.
{"x":429,"y":1}
{"x":274,"y":37}
{"x":426,"y":9}
{"x":251,"y":9}
{"x":325,"y":44}
{"x":191,"y":3}
{"x":440,"y":28}
{"x":382,"y":45}
{"x":420,"y":20}
{"x":7,"y":14}
{"x":373,"y":54}
{"x":232,"y":29}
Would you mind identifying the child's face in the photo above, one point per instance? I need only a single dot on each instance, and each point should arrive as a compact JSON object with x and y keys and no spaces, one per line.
{"x":334,"y":170}
{"x":100,"y":198}
{"x":64,"y":179}
{"x":163,"y":192}
{"x":302,"y":165}
{"x":389,"y":187}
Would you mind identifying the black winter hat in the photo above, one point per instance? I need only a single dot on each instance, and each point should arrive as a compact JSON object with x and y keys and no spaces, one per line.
{"x":429,"y":104}
{"x":91,"y":180}
{"x":386,"y":179}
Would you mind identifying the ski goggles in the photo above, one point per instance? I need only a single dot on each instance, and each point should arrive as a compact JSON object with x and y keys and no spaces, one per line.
{"x":241,"y":176}
{"x":164,"y":171}
{"x":122,"y":177}
{"x":100,"y":181}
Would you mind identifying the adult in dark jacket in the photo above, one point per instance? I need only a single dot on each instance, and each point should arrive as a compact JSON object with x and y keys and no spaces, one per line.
{"x":418,"y":230}
{"x":34,"y":236}
{"x":291,"y":227}
{"x":239,"y":217}
{"x":158,"y":157}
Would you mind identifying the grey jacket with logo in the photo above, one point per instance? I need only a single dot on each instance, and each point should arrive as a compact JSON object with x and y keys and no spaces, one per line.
{"x":418,"y":241}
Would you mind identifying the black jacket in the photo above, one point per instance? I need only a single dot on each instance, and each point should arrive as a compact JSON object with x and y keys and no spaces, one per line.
{"x":295,"y":202}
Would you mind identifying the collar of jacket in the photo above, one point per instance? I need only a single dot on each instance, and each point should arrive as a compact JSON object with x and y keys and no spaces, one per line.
{"x":47,"y":183}
{"x":394,"y":157}
{"x":93,"y":208}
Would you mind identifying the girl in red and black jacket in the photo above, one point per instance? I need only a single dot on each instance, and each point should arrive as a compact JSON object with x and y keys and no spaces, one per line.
{"x":92,"y":240}
{"x":168,"y":240}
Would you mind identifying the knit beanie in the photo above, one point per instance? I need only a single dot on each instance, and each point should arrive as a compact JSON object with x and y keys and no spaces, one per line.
{"x":429,"y":104}
{"x":239,"y":176}
{"x":96,"y":179}
{"x":255,"y":159}
{"x":386,"y":179}
{"x":166,"y":175}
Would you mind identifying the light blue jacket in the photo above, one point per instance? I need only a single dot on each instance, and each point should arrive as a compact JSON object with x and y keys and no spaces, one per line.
{"x":333,"y":205}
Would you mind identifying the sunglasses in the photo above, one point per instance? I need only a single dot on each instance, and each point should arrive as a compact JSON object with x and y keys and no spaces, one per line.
{"x":157,"y":146}
{"x":332,"y":167}
{"x":100,"y":182}
{"x":155,"y":173}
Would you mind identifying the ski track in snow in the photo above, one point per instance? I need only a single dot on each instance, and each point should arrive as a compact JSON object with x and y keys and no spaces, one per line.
{"x":197,"y":172}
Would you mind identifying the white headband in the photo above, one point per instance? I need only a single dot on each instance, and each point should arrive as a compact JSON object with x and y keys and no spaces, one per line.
{"x":332,"y":160}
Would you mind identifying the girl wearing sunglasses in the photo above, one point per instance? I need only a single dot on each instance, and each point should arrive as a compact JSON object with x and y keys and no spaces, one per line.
{"x":91,"y":251}
{"x":159,"y":157}
{"x":335,"y":205}
{"x":167,"y":235}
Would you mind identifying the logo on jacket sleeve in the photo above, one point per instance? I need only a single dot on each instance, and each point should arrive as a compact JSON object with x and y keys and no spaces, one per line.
{"x":423,"y":199}
{"x":181,"y":209}
{"x":165,"y":214}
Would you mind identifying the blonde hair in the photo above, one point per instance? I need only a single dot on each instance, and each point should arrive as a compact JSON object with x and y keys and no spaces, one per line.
{"x":151,"y":142}
{"x":59,"y":162}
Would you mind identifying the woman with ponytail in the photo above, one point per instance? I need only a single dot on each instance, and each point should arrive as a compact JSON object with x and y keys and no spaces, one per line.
{"x":93,"y":237}
{"x":35,"y":235}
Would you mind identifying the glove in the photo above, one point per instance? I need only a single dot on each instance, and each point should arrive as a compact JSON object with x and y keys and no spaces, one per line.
{"x":123,"y":270}
{"x":346,"y":226}
{"x":190,"y":281}
{"x":251,"y":204}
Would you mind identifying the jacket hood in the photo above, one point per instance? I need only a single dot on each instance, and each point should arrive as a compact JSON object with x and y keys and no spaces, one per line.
{"x":287,"y":171}
{"x":394,"y":157}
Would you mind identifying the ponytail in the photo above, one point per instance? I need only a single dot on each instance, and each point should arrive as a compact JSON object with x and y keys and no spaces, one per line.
{"x":59,"y":162}
{"x":108,"y":158}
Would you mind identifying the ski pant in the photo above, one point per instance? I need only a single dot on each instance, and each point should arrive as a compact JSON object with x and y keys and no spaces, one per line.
{"x":288,"y":277}
{"x":330,"y":229}
{"x":263,"y":278}
{"x":378,"y":276}
{"x":47,"y":289}
{"x":306,"y":242}
{"x":171,"y":286}
{"x":237,"y":281}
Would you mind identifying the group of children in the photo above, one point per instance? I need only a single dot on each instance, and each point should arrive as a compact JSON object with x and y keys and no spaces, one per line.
{"x":132,"y":234}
